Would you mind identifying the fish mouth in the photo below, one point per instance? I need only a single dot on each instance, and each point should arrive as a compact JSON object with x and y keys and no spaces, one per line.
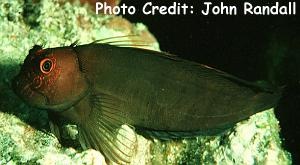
{"x":22,"y":88}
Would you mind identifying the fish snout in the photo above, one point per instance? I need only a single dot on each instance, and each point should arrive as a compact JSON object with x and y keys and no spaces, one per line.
{"x":22,"y":88}
{"x":15,"y":84}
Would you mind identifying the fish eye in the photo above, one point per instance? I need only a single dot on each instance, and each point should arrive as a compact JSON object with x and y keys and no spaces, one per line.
{"x":46,"y":65}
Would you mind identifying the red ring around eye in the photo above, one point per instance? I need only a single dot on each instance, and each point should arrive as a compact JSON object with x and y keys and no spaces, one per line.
{"x":46,"y":65}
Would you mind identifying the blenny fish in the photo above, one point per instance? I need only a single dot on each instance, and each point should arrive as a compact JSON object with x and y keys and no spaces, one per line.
{"x":104,"y":88}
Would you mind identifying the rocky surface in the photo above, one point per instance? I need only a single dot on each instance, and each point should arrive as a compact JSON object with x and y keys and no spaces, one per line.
{"x":24,"y":131}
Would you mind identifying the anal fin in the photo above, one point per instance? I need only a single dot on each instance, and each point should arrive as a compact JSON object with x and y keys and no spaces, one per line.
{"x":170,"y":135}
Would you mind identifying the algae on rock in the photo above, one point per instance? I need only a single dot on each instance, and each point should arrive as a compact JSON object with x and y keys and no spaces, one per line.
{"x":24,"y":131}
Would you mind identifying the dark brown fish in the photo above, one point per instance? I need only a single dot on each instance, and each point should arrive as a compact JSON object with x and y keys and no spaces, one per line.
{"x":100,"y":87}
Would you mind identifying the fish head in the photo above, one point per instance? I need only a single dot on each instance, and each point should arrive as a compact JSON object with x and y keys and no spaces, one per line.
{"x":50,"y":79}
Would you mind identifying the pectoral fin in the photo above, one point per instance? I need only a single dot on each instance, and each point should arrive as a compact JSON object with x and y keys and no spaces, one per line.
{"x":105,"y":130}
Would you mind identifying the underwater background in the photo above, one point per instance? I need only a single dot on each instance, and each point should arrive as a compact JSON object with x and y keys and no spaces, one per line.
{"x":253,"y":48}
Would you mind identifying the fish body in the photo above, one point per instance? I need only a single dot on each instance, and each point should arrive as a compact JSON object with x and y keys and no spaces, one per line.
{"x":100,"y":87}
{"x":167,"y":93}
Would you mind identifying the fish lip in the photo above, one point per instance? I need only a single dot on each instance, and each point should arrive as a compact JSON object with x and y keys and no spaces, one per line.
{"x":20,"y":90}
{"x":16,"y":85}
{"x":43,"y":102}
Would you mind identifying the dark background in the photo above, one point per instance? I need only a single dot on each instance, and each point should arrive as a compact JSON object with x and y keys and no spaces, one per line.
{"x":250,"y":47}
